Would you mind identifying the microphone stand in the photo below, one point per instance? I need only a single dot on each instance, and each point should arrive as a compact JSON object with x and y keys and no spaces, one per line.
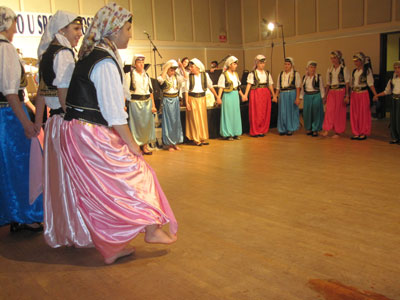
{"x":154,"y":53}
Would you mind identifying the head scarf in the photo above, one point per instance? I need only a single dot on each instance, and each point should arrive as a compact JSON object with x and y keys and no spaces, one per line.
{"x":60,"y":20}
{"x":290,"y":60}
{"x":107,"y":21}
{"x":7,"y":16}
{"x":136,"y":57}
{"x":198,"y":64}
{"x":257,"y":59}
{"x":230,"y":60}
{"x":359,"y":56}
{"x":311,"y":63}
{"x":173,"y":62}
{"x":339,"y":55}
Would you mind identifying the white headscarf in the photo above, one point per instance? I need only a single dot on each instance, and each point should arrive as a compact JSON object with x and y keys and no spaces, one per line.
{"x":136,"y":57}
{"x":311,"y":62}
{"x":7,"y":16}
{"x":173,"y":62}
{"x":230,"y":60}
{"x":60,"y":20}
{"x":290,"y":59}
{"x":198,"y":64}
{"x":258,"y":58}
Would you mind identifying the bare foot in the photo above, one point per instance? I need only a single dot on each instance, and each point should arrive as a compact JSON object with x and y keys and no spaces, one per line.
{"x":155,"y":235}
{"x":335,"y":136}
{"x":177,"y":148}
{"x":125,"y":252}
{"x":171,"y":148}
{"x":325,"y":133}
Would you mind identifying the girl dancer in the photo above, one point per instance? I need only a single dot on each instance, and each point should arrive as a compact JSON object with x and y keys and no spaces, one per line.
{"x":118,"y":193}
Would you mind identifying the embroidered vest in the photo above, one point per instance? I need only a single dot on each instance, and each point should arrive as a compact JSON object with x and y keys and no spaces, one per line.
{"x":82,"y":92}
{"x":203,"y":82}
{"x":133,"y":84}
{"x":228,"y":83}
{"x":292,"y":84}
{"x":46,"y":71}
{"x":340,"y":76}
{"x":315,"y":82}
{"x":257,"y":83}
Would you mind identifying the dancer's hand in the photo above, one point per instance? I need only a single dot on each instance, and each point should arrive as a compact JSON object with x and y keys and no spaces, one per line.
{"x":346,"y":100}
{"x":188,"y":107}
{"x":29,"y":129}
{"x":244,"y":98}
{"x":375,"y":98}
{"x":153,"y":110}
{"x":297,"y":102}
{"x":275,"y":99}
{"x":219,"y":101}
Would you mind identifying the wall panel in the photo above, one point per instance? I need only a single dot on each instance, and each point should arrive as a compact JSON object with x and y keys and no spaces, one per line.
{"x":218,"y":19}
{"x":13,"y":4}
{"x":164,"y":20}
{"x":306,"y":13}
{"x":234,"y":22}
{"x":142,"y":19}
{"x":91,"y":7}
{"x":201,"y":20}
{"x":183,"y":20}
{"x":286,"y":17}
{"x":251,"y":21}
{"x":397,"y":10}
{"x":37,"y":6}
{"x":71,"y":6}
{"x":353,"y":13}
{"x":328,"y":15}
{"x":379,"y":11}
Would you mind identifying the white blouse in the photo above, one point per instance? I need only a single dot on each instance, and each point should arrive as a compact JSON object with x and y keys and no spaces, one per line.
{"x":198,"y":87}
{"x":176,"y":84}
{"x":232,"y":77}
{"x":286,"y":78}
{"x":357,"y":74}
{"x":63,"y":67}
{"x":10,"y":66}
{"x":308,"y":80}
{"x":396,"y":87}
{"x":142,"y":82}
{"x":335,"y":74}
{"x":262,"y":76}
{"x":110,"y":92}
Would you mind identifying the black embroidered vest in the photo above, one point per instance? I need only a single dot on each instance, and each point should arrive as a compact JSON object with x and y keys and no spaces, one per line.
{"x":82,"y":102}
{"x":46,"y":71}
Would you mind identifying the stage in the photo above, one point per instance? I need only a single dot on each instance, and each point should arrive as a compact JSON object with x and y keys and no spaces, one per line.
{"x":261,"y":218}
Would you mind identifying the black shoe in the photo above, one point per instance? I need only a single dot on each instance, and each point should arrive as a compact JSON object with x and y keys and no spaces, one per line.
{"x":255,"y":136}
{"x":236,"y":137}
{"x":205,"y":143}
{"x":355,"y":137}
{"x":289,"y":133}
{"x":282,"y":133}
{"x":361,"y":138}
{"x":15,"y":227}
{"x":261,"y":135}
{"x":310,"y":133}
{"x":314,"y":134}
{"x":394,"y":142}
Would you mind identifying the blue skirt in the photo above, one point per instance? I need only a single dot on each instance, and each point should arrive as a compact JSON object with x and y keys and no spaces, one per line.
{"x":288,"y":112}
{"x":231,"y":120}
{"x":171,"y":122}
{"x":14,"y":175}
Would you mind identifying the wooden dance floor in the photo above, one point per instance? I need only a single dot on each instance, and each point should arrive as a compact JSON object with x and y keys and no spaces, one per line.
{"x":277,"y":217}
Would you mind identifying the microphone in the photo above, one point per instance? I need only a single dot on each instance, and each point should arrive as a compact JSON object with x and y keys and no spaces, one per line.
{"x":146,"y":33}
